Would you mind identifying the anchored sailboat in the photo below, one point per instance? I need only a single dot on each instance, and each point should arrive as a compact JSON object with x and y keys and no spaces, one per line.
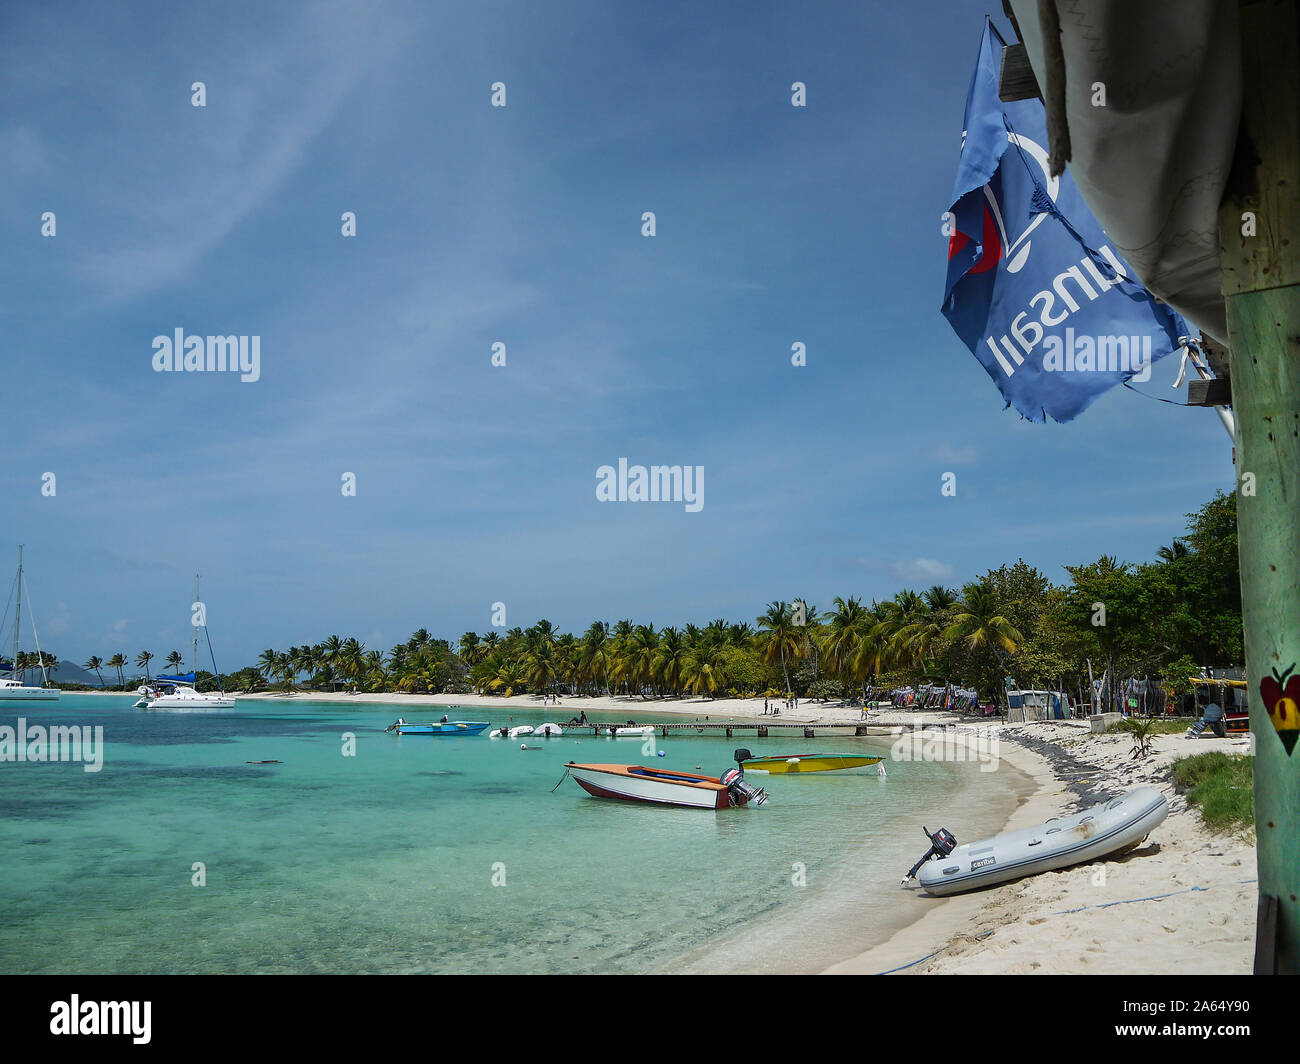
{"x":11,"y":687}
{"x":179,"y":692}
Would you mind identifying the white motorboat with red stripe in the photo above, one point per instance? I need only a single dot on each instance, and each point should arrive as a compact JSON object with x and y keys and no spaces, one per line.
{"x":640,"y":783}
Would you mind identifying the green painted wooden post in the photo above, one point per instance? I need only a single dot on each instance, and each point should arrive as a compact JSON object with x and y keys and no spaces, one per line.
{"x":1259,"y":236}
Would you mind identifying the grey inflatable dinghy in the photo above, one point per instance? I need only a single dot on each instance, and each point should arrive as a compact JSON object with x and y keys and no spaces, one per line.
{"x":1102,"y":830}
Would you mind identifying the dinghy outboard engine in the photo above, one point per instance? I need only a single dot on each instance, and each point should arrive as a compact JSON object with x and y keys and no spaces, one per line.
{"x":942,"y":843}
{"x":738,"y":791}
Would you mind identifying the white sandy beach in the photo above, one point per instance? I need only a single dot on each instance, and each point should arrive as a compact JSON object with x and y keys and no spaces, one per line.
{"x":1181,"y":903}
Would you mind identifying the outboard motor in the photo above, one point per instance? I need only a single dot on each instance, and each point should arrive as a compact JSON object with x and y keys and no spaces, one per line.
{"x":942,"y":843}
{"x":738,"y":791}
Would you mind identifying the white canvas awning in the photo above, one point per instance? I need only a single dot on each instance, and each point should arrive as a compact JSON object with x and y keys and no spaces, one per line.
{"x":1151,"y":161}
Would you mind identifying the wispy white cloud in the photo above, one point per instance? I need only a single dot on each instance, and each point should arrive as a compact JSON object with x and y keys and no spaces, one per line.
{"x":956,"y":455}
{"x":265,"y":106}
{"x":930,"y":570}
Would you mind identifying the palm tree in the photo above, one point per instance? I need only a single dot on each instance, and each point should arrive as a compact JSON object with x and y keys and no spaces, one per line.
{"x":702,"y":670}
{"x":352,"y":658}
{"x":778,"y":637}
{"x":509,"y":677}
{"x":325,"y":676}
{"x":141,"y":662}
{"x":330,"y":649}
{"x":595,"y":652}
{"x":567,"y":656}
{"x":284,"y":668}
{"x":94,"y":664}
{"x":539,"y":667}
{"x":978,"y":621}
{"x":740,"y":635}
{"x":939,"y":598}
{"x":47,"y":663}
{"x":175,"y":661}
{"x":640,"y":649}
{"x":470,"y":649}
{"x":924,"y":626}
{"x":670,"y":658}
{"x":542,"y":632}
{"x":845,"y":630}
{"x":809,"y":632}
{"x":377,"y":676}
{"x":266,"y":662}
{"x":1172,"y":553}
{"x":118,"y":662}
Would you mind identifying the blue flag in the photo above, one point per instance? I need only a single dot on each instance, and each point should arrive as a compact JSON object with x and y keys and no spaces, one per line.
{"x":1034,"y":288}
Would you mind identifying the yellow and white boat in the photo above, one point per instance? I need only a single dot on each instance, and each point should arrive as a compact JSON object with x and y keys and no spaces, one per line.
{"x":792,"y":763}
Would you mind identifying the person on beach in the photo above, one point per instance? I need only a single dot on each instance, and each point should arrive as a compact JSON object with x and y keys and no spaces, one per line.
{"x":1211,"y":718}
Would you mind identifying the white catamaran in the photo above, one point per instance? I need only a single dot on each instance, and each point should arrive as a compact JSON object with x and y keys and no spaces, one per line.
{"x":11,"y":687}
{"x":179,"y":692}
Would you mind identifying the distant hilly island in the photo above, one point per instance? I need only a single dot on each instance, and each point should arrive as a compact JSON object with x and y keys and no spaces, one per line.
{"x":66,"y":672}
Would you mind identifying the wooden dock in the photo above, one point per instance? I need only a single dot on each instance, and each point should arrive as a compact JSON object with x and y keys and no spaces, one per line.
{"x":730,"y":728}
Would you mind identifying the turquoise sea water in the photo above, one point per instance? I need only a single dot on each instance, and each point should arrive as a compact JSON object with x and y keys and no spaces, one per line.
{"x":385,"y":861}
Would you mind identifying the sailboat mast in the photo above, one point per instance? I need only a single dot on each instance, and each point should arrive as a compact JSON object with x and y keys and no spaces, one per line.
{"x":18,"y":608}
{"x":194,"y":649}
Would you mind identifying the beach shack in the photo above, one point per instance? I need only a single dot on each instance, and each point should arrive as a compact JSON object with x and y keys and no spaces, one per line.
{"x":1227,"y":689}
{"x":1029,"y":705}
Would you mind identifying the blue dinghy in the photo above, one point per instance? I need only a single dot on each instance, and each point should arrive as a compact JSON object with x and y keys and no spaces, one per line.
{"x":446,"y":727}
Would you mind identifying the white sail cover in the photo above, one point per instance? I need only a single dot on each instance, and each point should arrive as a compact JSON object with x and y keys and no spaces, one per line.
{"x":1152,"y":163}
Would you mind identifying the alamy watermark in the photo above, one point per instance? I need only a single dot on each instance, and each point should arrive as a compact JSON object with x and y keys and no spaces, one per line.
{"x":59,"y":742}
{"x":684,"y":484}
{"x":940,"y":744}
{"x":1098,"y":354}
{"x":179,"y":353}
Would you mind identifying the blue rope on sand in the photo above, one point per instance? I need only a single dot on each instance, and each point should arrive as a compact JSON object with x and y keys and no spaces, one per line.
{"x":1153,"y":897}
{"x":1064,"y":912}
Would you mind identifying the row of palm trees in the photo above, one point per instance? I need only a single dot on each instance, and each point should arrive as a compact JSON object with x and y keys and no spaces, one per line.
{"x":96,"y":664}
{"x":37,"y":660}
{"x":790,"y":647}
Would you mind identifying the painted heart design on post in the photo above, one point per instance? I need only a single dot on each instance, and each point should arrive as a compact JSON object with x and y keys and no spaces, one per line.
{"x":1281,"y":696}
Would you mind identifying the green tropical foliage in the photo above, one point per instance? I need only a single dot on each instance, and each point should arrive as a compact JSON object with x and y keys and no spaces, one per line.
{"x":1162,"y":619}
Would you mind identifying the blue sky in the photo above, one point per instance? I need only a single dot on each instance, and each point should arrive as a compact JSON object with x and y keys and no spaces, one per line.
{"x":476,"y":484}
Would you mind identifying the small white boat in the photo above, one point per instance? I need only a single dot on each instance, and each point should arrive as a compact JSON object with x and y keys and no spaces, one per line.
{"x":629,"y":731}
{"x":511,"y":733}
{"x":548,"y":731}
{"x":1100,"y":831}
{"x":657,"y":786}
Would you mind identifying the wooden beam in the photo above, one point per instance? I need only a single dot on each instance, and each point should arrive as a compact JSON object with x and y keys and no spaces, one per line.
{"x":1016,"y":79}
{"x":1259,"y":248}
{"x":1210,"y":393}
{"x":1216,"y":355}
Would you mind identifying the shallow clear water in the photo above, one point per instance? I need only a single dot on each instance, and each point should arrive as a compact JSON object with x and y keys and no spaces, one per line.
{"x":384,"y":861}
